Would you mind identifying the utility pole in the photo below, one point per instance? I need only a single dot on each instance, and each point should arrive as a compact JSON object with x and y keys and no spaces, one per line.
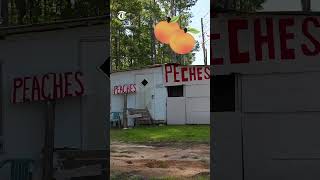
{"x":173,"y":13}
{"x":306,"y":5}
{"x":153,"y":41}
{"x":153,"y":49}
{"x":203,"y":44}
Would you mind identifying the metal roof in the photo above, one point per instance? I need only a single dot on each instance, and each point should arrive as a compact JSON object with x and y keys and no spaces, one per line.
{"x":151,"y":66}
{"x":138,"y":68}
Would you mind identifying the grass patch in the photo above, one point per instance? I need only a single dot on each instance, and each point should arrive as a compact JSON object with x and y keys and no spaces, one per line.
{"x":158,"y":134}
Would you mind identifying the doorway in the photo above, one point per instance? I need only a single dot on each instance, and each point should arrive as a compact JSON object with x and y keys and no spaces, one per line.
{"x":145,"y":92}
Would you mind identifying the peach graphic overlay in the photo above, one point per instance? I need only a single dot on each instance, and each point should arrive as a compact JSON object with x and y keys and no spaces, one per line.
{"x":180,"y":40}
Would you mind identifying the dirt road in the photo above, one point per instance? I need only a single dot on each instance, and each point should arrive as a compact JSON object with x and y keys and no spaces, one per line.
{"x":183,"y":161}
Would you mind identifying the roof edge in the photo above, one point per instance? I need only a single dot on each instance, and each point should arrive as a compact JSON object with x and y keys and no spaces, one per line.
{"x":56,"y":25}
{"x":152,"y":66}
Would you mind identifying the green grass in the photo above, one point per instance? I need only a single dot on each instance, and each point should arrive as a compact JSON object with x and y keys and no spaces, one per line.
{"x":159,"y":134}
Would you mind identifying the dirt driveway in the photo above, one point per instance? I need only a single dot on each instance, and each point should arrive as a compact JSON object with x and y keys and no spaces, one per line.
{"x":183,"y":161}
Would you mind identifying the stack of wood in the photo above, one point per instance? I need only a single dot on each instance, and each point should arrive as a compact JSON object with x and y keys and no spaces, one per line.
{"x":143,"y":116}
{"x":78,"y":164}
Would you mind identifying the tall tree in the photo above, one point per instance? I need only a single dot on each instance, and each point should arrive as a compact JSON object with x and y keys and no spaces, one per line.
{"x":139,"y":47}
{"x":37,"y":11}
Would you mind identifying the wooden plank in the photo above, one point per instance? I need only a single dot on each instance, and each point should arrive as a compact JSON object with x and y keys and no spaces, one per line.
{"x":49,"y":141}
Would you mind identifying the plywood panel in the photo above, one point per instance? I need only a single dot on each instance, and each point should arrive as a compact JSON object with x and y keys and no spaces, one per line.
{"x":281,"y":92}
{"x":176,"y":110}
{"x":282,"y":146}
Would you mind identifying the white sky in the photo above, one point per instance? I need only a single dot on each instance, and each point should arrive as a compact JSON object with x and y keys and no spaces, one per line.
{"x":201,"y":10}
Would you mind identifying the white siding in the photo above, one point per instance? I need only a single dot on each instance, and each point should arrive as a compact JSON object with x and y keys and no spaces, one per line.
{"x":196,"y":96}
{"x":281,"y":92}
{"x":198,"y":103}
{"x":117,"y":100}
{"x":54,"y":51}
{"x":202,"y":90}
{"x":158,"y":104}
{"x":160,"y":96}
{"x":281,"y":114}
{"x":176,"y":110}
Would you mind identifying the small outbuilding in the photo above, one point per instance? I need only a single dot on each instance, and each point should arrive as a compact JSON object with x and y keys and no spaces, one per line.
{"x":52,"y":96}
{"x":170,"y":93}
{"x":266,"y":96}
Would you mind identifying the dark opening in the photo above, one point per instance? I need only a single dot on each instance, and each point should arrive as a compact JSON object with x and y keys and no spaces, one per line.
{"x":105,"y":67}
{"x":223,"y":88}
{"x":175,"y":91}
{"x":144,"y":82}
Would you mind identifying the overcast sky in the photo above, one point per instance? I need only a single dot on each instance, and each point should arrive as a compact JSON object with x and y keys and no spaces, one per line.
{"x":201,"y":10}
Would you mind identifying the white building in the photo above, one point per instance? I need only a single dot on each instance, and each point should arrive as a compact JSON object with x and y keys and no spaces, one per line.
{"x":32,"y":59}
{"x":266,"y":97}
{"x":170,"y":92}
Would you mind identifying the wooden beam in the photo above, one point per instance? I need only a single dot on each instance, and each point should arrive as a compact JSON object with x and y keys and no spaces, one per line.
{"x":125,"y":108}
{"x":49,"y":141}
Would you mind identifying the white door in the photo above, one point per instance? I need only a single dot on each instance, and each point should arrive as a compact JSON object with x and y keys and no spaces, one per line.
{"x":176,"y":110}
{"x":145,"y":92}
{"x":198,"y":104}
{"x":198,"y":110}
{"x":96,"y":103}
{"x":281,"y":126}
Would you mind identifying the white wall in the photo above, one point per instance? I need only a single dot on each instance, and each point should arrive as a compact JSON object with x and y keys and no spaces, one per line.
{"x":198,"y":103}
{"x":160,"y":96}
{"x":117,"y":100}
{"x":158,"y":108}
{"x":281,"y":92}
{"x":54,"y":51}
{"x":196,"y":96}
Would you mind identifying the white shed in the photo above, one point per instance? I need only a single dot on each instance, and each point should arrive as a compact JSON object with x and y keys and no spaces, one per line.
{"x":166,"y":92}
{"x":53,"y":61}
{"x":266,"y":96}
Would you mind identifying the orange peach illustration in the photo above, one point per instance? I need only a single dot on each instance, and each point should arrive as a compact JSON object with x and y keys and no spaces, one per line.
{"x":164,"y":30}
{"x":182,"y":42}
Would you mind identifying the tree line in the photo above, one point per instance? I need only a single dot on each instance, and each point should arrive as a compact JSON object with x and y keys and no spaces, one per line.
{"x":22,"y":12}
{"x":133,"y":44}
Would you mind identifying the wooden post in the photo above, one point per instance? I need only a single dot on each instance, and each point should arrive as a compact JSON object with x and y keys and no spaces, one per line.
{"x":49,"y":141}
{"x":125,"y":107}
{"x":203,"y":45}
